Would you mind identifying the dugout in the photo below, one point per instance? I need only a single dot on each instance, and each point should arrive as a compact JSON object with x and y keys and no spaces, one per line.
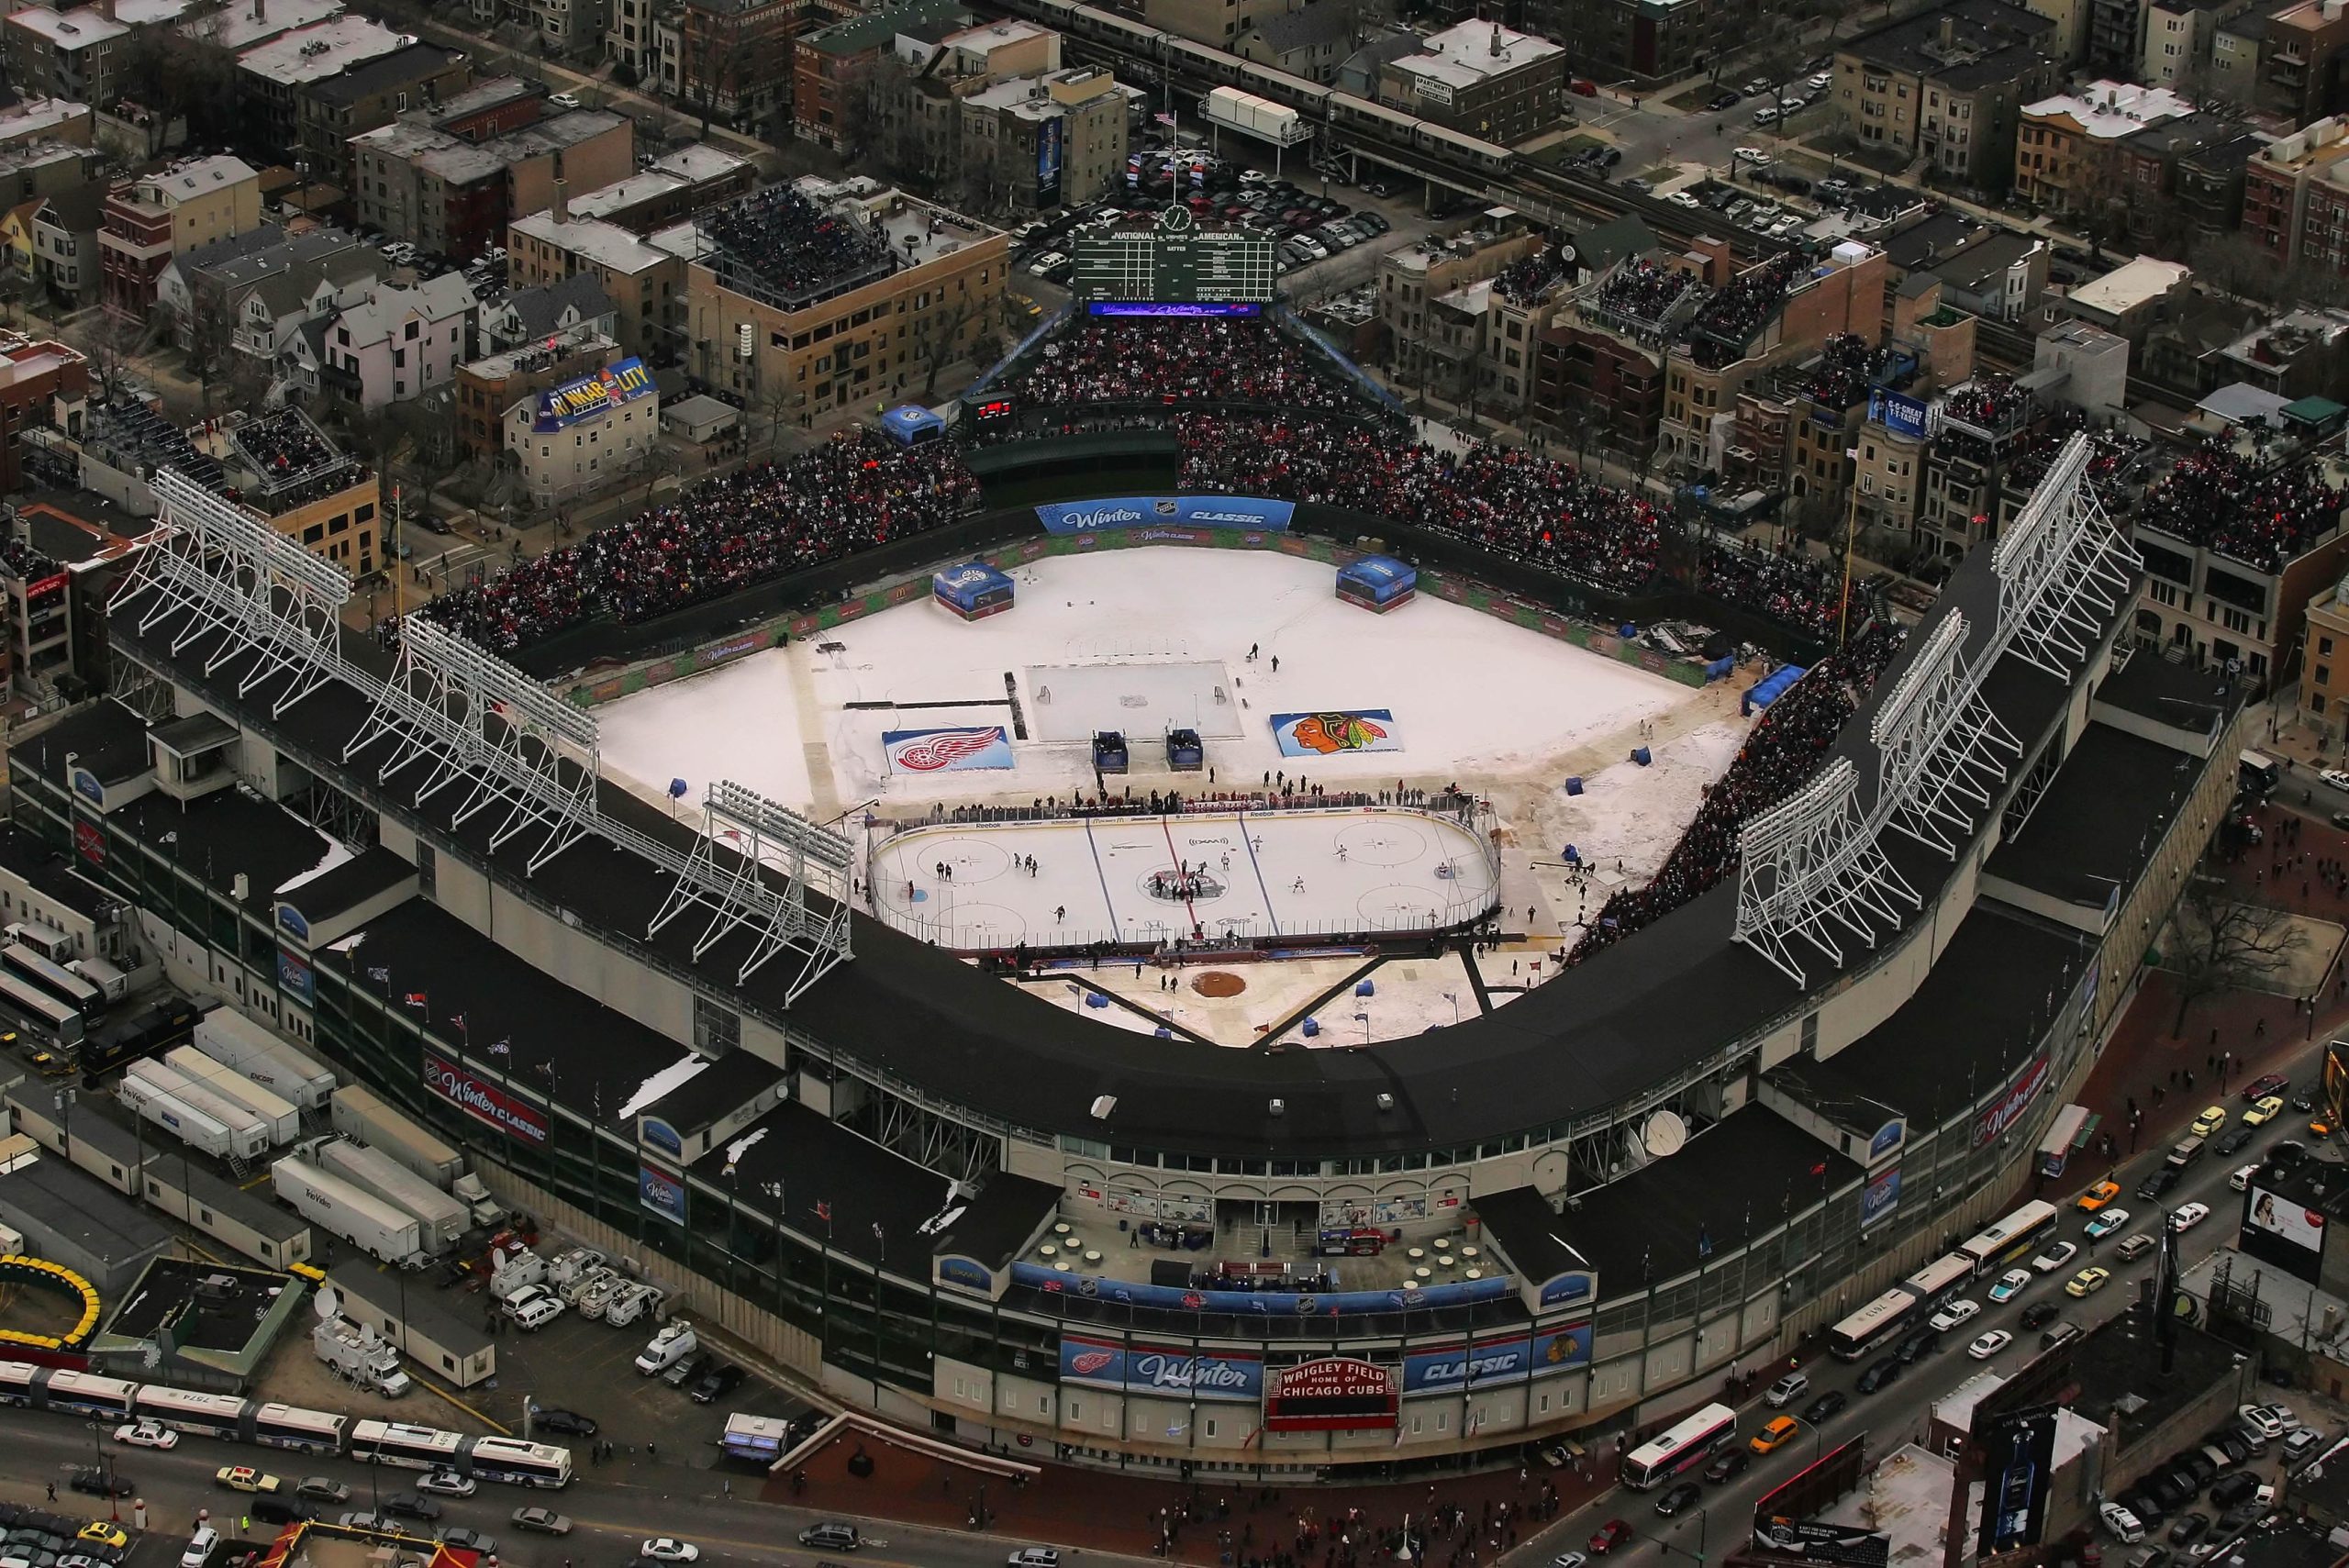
{"x":1378,"y":583}
{"x":973,"y":590}
{"x":911,"y":424}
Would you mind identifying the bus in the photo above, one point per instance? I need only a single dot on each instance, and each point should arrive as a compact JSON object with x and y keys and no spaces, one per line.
{"x":208,"y":1415}
{"x":412,"y":1448}
{"x":91,"y":1395}
{"x":520,"y":1463}
{"x":54,"y":978}
{"x":39,"y":1011}
{"x":1939,"y":1277}
{"x":1690,"y":1443}
{"x":307,"y":1431}
{"x":1872,"y":1325}
{"x":2012,"y":1238}
{"x":2064,"y":1135}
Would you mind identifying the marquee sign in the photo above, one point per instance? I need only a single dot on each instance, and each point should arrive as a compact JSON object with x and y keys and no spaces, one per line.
{"x":482,"y":1101}
{"x":1336,"y":1394}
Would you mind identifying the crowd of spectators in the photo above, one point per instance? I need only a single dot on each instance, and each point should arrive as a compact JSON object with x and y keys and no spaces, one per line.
{"x":1642,"y":291}
{"x":26,"y":563}
{"x":1781,"y":753}
{"x":1990,"y":401}
{"x":1524,"y":281}
{"x":788,"y":242}
{"x":285,"y":448}
{"x":1804,"y":591}
{"x":852,"y":494}
{"x":1503,"y":499}
{"x":1719,"y":332}
{"x":1181,"y":360}
{"x":1840,"y":379}
{"x":2241,"y":503}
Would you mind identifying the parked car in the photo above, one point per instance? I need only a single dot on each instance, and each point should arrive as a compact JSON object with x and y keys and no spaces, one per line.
{"x":146,"y":1434}
{"x":2268,"y":1084}
{"x":245,"y":1478}
{"x":411,"y":1505}
{"x":1879,"y":1374}
{"x":569,"y":1422}
{"x":1720,"y":101}
{"x":716,"y":1384}
{"x":2261,"y":1419}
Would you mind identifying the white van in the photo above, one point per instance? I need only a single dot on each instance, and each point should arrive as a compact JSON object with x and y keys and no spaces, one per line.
{"x":1787,"y":1390}
{"x":2242,"y":1177}
{"x":672,"y":1344}
{"x":636,"y":1301}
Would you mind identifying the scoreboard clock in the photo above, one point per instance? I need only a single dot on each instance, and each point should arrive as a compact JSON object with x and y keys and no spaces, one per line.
{"x":1175,"y":263}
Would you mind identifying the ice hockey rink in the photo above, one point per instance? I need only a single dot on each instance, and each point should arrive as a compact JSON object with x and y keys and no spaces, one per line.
{"x":1137,"y":640}
{"x":1265,"y":876}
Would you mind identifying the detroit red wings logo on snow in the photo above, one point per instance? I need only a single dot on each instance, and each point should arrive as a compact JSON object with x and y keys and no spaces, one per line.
{"x":933,"y":752}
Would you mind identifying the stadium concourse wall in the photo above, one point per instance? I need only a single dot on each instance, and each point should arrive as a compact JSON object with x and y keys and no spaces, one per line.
{"x":983,"y":540}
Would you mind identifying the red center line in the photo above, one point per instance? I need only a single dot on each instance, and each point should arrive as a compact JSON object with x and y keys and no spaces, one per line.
{"x":1179,"y":881}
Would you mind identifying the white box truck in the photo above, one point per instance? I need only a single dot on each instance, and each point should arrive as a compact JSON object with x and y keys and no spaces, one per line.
{"x":360,"y":1356}
{"x":109,"y":980}
{"x":440,"y":1219}
{"x":362,"y":1117}
{"x":285,"y":1122}
{"x":248,"y":1136}
{"x":226,"y":1035}
{"x":360,"y":1217}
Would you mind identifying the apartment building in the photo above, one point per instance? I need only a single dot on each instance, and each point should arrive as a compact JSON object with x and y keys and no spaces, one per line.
{"x":833,"y":62}
{"x":488,"y":386}
{"x":2067,"y":149}
{"x":1775,"y":313}
{"x":913,"y":292}
{"x":371,"y":94}
{"x":586,"y":434}
{"x":289,"y":473}
{"x":1948,"y":83}
{"x":1481,"y":78}
{"x":1310,"y":41}
{"x":148,"y":221}
{"x":1050,"y":139}
{"x":274,"y":78}
{"x":398,"y":343}
{"x":455,"y":195}
{"x":670,"y":189}
{"x":1645,"y":41}
{"x":644,"y":278}
{"x":734,"y":57}
{"x":1431,"y":346}
{"x":73,"y":53}
{"x":41,"y":382}
{"x":2301,"y":66}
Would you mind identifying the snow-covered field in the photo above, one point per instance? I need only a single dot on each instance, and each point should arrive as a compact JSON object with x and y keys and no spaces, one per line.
{"x":1471,"y":697}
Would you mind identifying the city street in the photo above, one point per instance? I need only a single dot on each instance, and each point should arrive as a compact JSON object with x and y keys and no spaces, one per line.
{"x":1897,"y":1415}
{"x":611,"y":1517}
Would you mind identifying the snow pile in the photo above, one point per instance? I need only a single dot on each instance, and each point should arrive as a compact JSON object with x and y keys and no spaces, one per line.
{"x":661,"y":1083}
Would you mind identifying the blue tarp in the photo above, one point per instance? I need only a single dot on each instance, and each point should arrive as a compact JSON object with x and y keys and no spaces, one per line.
{"x":1770,"y":688}
{"x":1379,"y":577}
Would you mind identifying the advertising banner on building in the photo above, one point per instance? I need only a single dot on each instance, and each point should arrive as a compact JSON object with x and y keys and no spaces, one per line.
{"x":1138,"y":511}
{"x":1336,"y":1394}
{"x":661,"y":1193}
{"x":1808,"y":1541}
{"x":1048,"y":162}
{"x":1496,"y":1360}
{"x":2009,"y":1105}
{"x":2018,"y":1469}
{"x":1901,"y":415}
{"x":483,"y":1101}
{"x":1164,"y":1369}
{"x":563,"y":406}
{"x":1880,"y":1197}
{"x":2282,"y":1231}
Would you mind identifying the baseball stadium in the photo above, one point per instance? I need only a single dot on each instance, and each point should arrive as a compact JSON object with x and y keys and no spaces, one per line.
{"x":1066,"y":918}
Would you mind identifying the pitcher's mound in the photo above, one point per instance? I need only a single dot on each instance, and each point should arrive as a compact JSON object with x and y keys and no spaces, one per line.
{"x":1217,"y":983}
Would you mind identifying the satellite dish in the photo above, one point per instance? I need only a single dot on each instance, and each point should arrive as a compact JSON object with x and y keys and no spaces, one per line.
{"x":326,"y":1304}
{"x":1663,"y":1134}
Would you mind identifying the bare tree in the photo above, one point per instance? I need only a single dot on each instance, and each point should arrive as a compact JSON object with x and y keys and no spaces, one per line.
{"x":2225,"y":944}
{"x":937,"y":340}
{"x":176,"y":74}
{"x":109,"y":351}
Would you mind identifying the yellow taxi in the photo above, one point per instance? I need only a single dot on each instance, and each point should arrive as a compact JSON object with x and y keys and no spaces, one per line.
{"x":245,"y":1478}
{"x":2264,"y":1111}
{"x":2096,"y":1197}
{"x":2087,"y":1282}
{"x":2212,"y":1118}
{"x":1781,"y":1429}
{"x":105,"y":1534}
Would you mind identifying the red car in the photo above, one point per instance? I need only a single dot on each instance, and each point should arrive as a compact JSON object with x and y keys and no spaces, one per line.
{"x":1610,"y":1536}
{"x":2260,"y":1088}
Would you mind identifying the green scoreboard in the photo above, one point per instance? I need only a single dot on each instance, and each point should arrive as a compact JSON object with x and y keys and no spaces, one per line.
{"x":1174,"y":264}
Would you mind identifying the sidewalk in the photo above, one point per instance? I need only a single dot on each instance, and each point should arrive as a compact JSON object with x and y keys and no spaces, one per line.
{"x":1225,"y":1519}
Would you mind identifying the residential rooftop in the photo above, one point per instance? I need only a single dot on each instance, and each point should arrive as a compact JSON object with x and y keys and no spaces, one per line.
{"x":70,"y":30}
{"x":606,"y":244}
{"x":2110,"y":110}
{"x":326,"y":48}
{"x":239,"y":26}
{"x":1473,"y":52}
{"x":1980,"y":31}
